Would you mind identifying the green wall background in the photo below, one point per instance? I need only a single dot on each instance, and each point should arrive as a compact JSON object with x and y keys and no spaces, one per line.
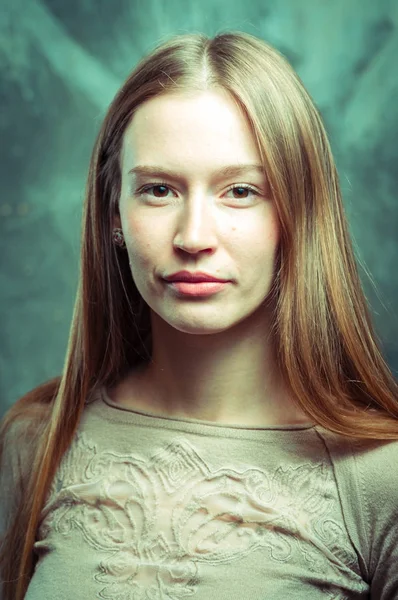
{"x":60,"y":65}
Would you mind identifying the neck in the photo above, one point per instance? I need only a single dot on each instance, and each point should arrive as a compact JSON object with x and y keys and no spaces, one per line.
{"x":227,"y":377}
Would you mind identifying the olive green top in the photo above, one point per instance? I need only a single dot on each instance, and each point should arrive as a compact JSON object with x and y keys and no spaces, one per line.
{"x":150,"y":507}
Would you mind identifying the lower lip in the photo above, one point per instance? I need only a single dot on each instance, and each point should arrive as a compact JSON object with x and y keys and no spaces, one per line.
{"x":204,"y":288}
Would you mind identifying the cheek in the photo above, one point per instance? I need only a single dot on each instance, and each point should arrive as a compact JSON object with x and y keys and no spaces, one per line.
{"x":134,"y":228}
{"x":271,"y":233}
{"x":143,"y":244}
{"x":257,"y":238}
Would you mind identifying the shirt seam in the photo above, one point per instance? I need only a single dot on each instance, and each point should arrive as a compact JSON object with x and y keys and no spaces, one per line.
{"x":361,"y":524}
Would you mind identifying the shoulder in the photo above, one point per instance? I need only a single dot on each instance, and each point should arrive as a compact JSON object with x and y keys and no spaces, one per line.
{"x":20,"y":433}
{"x":375,"y":462}
{"x":377,"y":472}
{"x":371,"y":464}
{"x":20,"y":430}
{"x":366,"y":474}
{"x":377,"y":466}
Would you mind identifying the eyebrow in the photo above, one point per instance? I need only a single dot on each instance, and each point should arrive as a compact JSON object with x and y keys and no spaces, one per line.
{"x":229,"y":171}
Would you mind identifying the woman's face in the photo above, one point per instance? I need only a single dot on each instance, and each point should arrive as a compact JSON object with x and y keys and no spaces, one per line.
{"x":191,"y":218}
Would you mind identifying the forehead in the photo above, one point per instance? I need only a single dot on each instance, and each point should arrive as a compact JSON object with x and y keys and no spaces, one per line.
{"x":205,"y":127}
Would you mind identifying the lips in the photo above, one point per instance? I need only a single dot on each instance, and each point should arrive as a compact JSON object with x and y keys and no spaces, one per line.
{"x":197,"y":277}
{"x":204,"y":288}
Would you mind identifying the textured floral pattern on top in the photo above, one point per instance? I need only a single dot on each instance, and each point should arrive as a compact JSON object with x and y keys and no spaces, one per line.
{"x":161,"y":519}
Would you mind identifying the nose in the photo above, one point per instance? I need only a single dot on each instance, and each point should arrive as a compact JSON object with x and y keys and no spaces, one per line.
{"x":195,"y":230}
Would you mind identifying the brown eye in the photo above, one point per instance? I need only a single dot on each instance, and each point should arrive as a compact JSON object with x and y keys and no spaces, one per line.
{"x":241,"y":191}
{"x":162,"y":190}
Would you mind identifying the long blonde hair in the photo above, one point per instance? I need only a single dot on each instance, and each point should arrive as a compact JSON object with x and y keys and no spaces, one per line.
{"x":325,"y":343}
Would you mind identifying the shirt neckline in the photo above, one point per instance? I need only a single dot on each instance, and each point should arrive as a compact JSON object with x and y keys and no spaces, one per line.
{"x":162,"y":419}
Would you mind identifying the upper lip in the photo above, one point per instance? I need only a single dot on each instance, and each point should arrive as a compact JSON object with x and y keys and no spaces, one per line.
{"x":192,"y":277}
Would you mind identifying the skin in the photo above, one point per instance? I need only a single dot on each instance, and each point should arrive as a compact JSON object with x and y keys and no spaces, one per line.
{"x":212,"y":358}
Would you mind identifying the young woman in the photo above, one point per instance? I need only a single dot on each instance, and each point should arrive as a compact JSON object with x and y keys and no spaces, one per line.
{"x":231,"y":430}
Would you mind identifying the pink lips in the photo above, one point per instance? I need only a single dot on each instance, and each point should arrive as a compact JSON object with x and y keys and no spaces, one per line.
{"x":198,"y":283}
{"x":191,"y":277}
{"x":204,"y":288}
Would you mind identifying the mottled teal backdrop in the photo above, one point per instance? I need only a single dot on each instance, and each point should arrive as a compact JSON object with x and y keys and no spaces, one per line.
{"x":62,"y":62}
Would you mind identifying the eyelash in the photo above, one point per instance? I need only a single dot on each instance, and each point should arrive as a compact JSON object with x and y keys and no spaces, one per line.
{"x":164,"y":184}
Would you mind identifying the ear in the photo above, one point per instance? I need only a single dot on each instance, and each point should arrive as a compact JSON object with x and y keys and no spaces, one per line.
{"x":117,"y":222}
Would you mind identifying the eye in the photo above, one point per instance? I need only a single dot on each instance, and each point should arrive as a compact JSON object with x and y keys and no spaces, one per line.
{"x":154,"y":186}
{"x":163,"y":188}
{"x":243,"y":188}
